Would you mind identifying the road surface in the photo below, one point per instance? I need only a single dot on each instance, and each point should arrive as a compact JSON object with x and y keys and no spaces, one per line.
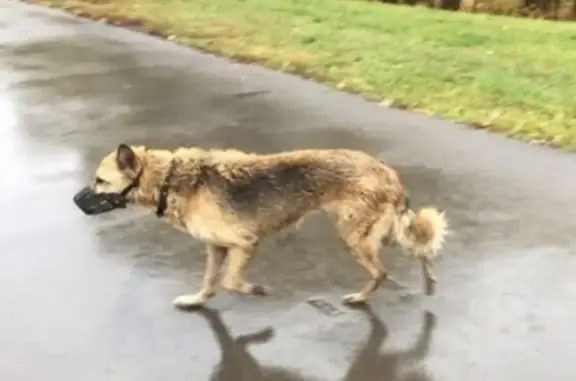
{"x":90,"y":298}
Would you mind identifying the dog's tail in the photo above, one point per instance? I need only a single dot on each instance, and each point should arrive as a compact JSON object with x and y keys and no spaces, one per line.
{"x":423,"y":233}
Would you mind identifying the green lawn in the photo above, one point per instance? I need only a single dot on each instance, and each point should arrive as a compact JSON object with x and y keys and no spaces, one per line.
{"x":516,"y":76}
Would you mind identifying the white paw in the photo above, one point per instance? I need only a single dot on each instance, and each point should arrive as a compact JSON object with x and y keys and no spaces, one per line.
{"x":189,"y":301}
{"x":354,"y":298}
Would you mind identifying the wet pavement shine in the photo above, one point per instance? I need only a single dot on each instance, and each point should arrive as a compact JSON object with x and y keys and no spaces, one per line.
{"x":90,"y":298}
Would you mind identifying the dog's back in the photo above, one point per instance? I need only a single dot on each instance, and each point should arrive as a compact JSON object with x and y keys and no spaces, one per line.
{"x":277,"y":190}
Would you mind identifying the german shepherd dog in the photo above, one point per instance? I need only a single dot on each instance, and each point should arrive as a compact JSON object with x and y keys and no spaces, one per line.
{"x":231,"y":200}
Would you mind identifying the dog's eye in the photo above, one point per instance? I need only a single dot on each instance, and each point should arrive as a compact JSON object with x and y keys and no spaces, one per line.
{"x":100,"y":180}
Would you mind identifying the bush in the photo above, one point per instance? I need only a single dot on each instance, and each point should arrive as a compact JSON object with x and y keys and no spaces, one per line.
{"x":546,"y":9}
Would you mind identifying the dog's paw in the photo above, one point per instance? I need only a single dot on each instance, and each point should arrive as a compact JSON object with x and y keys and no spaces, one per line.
{"x":430,"y":286}
{"x":247,"y":288}
{"x":260,"y":290}
{"x":355,"y":298}
{"x":190,"y":301}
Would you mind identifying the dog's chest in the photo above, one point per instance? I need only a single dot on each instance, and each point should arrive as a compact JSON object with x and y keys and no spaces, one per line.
{"x":202,"y":229}
{"x":213,"y":229}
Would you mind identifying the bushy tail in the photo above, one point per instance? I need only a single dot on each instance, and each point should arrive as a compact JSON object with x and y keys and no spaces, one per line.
{"x":422,"y":233}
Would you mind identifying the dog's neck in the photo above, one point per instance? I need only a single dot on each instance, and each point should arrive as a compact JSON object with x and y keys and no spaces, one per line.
{"x":153,"y":187}
{"x":158,"y":182}
{"x":162,"y":198}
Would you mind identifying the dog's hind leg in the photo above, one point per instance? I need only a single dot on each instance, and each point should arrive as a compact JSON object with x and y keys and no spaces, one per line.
{"x":215,"y":256}
{"x":238,"y":260}
{"x":429,"y":277}
{"x":366,"y":254}
{"x":362,"y":235}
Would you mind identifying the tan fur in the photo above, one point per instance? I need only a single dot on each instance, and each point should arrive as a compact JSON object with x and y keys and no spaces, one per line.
{"x":231,"y":200}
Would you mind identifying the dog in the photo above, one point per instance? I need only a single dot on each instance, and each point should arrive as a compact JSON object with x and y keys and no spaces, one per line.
{"x":231,"y":200}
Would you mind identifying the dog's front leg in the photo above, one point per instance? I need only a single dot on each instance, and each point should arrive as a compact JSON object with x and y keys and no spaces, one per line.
{"x":215,"y":256}
{"x":239,"y":258}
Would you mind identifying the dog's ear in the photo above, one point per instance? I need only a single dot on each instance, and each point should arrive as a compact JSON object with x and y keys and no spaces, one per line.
{"x":126,"y":158}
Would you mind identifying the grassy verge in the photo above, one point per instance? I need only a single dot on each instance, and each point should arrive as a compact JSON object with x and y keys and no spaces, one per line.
{"x":514,"y":76}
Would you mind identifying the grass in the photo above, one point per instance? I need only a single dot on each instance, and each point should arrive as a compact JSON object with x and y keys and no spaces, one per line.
{"x":511,"y":75}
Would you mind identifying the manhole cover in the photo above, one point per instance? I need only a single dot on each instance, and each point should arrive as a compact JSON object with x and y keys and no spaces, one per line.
{"x":325,"y":307}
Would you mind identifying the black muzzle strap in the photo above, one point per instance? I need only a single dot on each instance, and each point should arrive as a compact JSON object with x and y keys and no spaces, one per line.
{"x":135,"y":184}
{"x":92,"y":203}
{"x":164,"y":191}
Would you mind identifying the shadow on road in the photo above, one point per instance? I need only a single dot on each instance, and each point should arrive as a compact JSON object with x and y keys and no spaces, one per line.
{"x":370,"y":364}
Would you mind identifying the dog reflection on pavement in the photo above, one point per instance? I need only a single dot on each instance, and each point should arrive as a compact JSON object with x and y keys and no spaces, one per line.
{"x":404,"y":365}
{"x":232,"y":200}
{"x":369,"y":364}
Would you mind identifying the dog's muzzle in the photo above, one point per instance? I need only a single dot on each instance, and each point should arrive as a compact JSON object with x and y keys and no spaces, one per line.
{"x":92,"y":203}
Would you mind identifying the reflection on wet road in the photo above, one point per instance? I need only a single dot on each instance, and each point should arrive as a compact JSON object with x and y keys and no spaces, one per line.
{"x":90,"y":298}
{"x":237,"y":363}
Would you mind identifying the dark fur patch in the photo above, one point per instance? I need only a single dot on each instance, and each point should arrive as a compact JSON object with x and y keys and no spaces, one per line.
{"x":270,"y":183}
{"x":288,"y":186}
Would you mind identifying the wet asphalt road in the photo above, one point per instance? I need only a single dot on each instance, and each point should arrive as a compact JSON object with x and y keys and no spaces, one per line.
{"x":90,"y":298}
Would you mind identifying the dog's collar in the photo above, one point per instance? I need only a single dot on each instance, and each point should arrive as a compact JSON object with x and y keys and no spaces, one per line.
{"x":164,"y":190}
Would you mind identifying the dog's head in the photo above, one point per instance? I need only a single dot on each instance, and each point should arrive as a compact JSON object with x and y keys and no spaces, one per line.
{"x":118,"y":174}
